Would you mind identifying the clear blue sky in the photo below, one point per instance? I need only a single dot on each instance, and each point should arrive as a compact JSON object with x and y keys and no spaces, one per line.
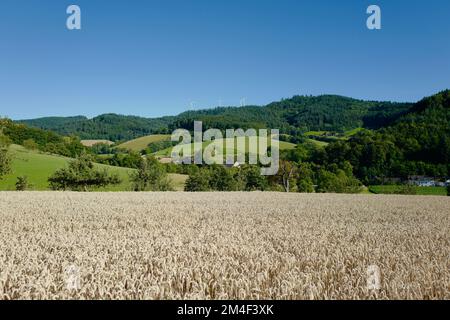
{"x":153,"y":58}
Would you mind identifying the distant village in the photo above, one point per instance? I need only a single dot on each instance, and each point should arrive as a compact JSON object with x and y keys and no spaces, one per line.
{"x":424,"y":181}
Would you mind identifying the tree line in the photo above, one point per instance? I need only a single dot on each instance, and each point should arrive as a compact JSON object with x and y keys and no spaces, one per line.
{"x":44,"y":140}
{"x":306,"y":177}
{"x":416,"y":142}
{"x":292,"y":116}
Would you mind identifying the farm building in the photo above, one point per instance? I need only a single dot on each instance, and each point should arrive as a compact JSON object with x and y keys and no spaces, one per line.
{"x":424,"y":181}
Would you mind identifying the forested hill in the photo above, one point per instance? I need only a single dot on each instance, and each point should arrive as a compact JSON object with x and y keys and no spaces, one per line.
{"x":418,"y":143}
{"x":107,"y":126}
{"x":298,"y":114}
{"x":424,"y":133}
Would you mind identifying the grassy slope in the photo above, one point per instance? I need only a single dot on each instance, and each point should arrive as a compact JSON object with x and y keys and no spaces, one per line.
{"x":352,"y":132}
{"x":167,"y":152}
{"x":39,"y":166}
{"x":324,"y":133}
{"x":318,"y":142}
{"x":345,"y":136}
{"x":90,"y":143}
{"x":142,"y":142}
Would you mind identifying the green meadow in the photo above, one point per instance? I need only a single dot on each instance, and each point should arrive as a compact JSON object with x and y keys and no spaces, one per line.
{"x":393,"y":189}
{"x":141,"y":143}
{"x":282,"y":144}
{"x":38,"y":166}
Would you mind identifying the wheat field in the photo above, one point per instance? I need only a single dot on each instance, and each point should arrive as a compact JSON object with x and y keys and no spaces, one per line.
{"x":222,"y":246}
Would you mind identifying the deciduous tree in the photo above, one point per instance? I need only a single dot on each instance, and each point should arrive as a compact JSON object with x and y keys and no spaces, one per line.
{"x":5,"y":159}
{"x":150,"y":176}
{"x":81,"y":175}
